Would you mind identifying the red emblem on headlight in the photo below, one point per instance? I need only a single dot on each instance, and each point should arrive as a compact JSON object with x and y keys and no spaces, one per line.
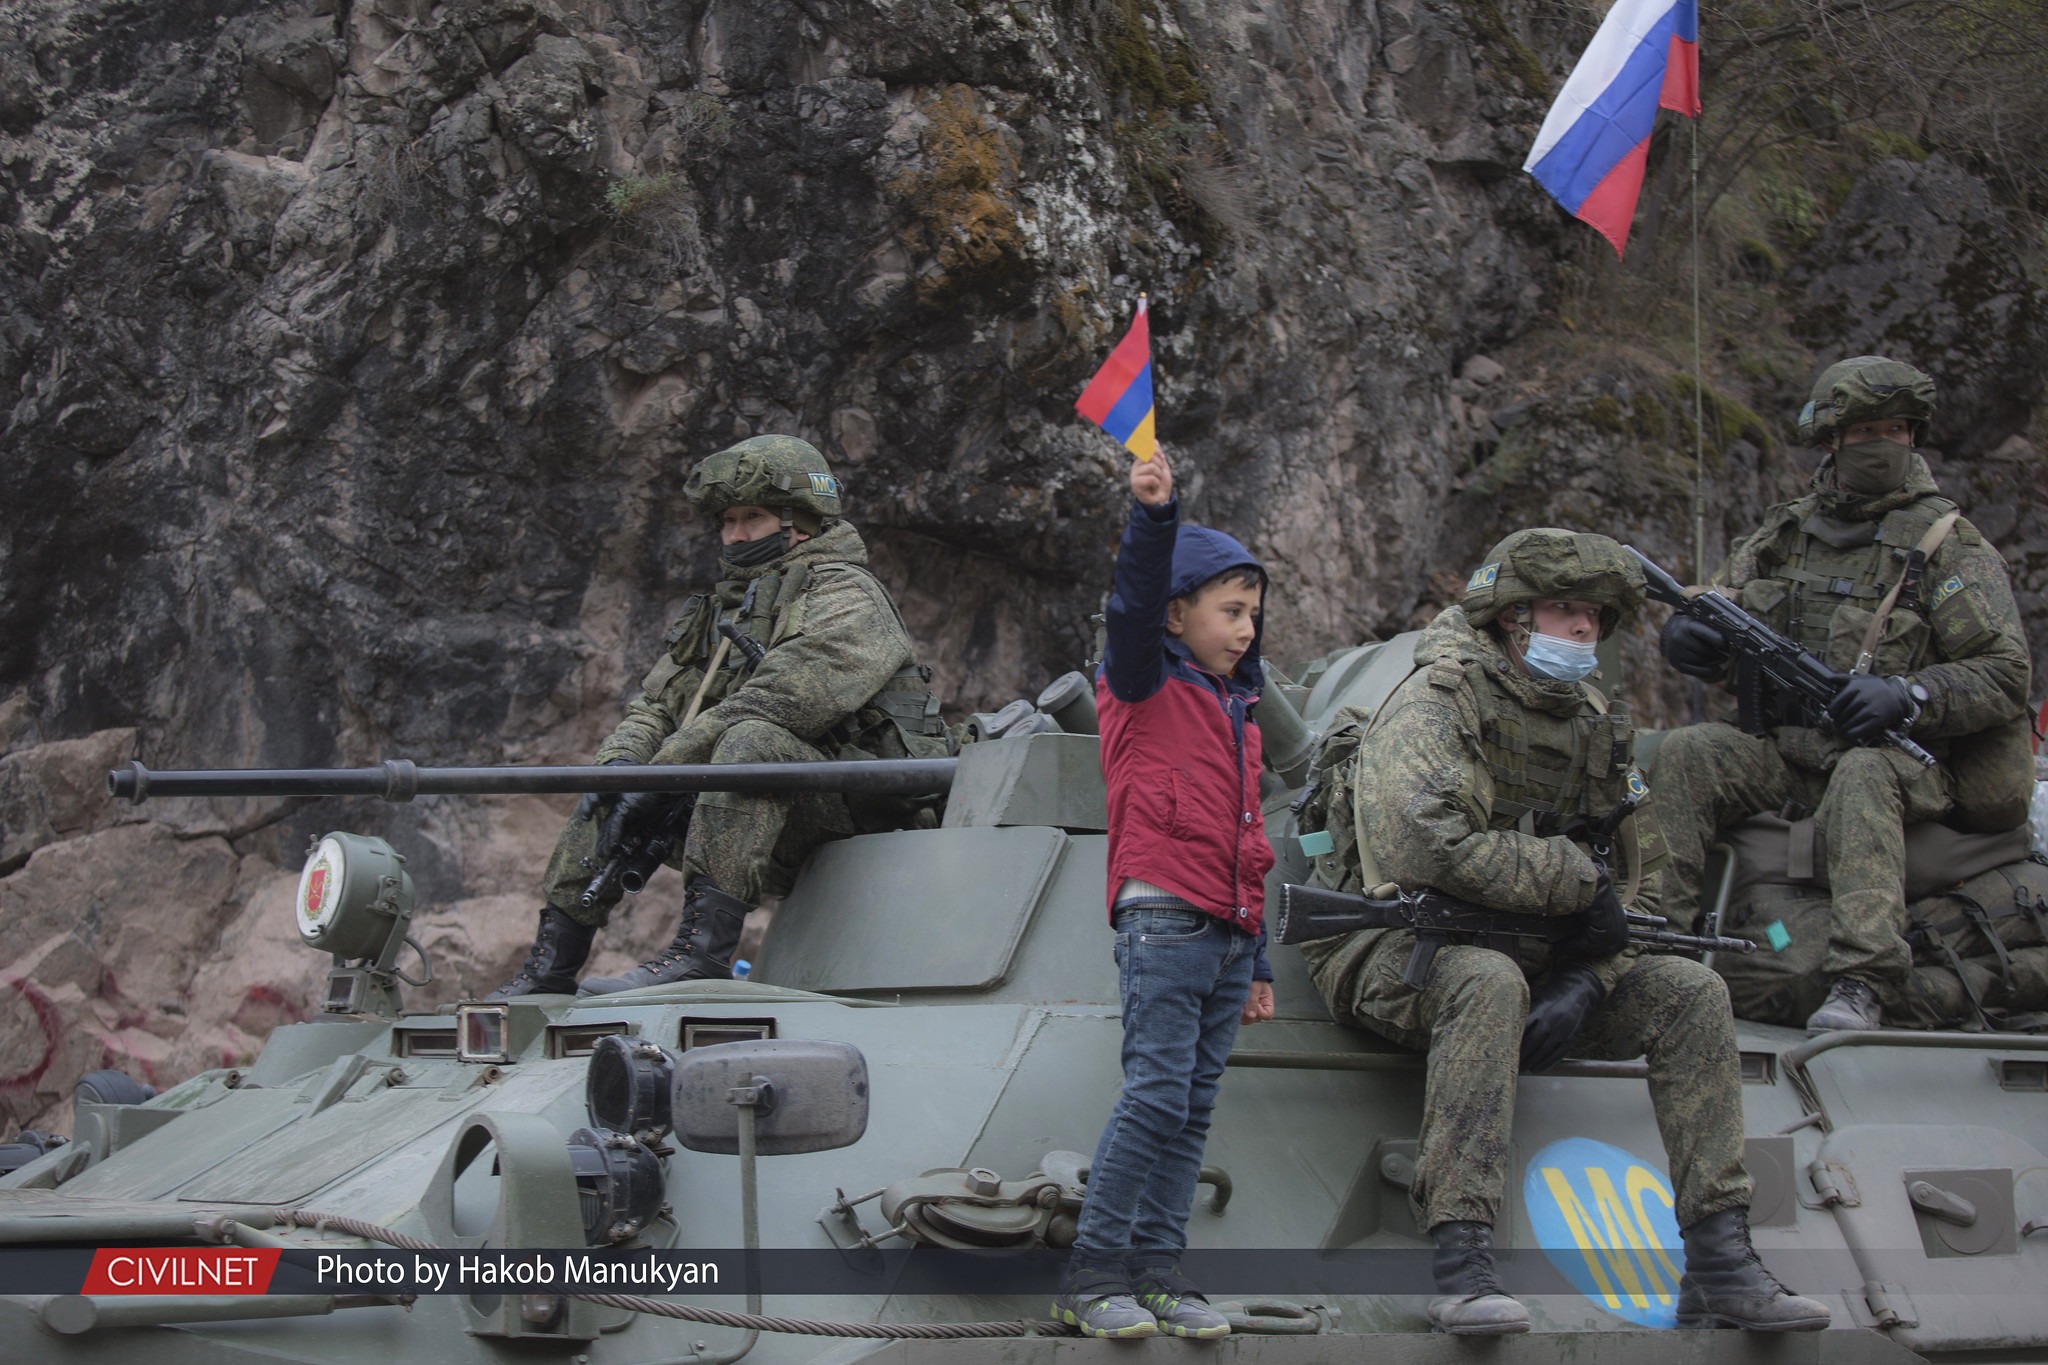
{"x":316,"y":881}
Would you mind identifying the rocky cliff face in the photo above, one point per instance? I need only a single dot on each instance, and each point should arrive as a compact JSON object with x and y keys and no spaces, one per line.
{"x":355,"y":351}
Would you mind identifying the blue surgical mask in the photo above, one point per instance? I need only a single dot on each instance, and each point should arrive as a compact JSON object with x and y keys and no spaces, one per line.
{"x":1553,"y":656}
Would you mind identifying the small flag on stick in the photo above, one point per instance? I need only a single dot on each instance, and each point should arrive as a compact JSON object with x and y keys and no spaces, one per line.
{"x":1119,"y":398}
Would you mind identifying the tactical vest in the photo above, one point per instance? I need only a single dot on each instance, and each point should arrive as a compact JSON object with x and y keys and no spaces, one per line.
{"x":1549,"y":772}
{"x":1826,"y":590}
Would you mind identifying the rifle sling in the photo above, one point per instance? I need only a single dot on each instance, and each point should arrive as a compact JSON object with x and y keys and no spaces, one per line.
{"x":1909,"y":580}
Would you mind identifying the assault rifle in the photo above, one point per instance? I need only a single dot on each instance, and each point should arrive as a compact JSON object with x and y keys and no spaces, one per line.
{"x":1309,"y":912}
{"x":1781,"y":661}
{"x":639,"y":854}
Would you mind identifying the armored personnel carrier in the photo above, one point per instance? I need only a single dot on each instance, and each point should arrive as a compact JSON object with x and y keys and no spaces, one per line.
{"x":914,"y":1073}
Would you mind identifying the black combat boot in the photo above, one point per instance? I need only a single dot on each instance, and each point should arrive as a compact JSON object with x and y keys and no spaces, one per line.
{"x":1725,"y":1285}
{"x":560,"y":948}
{"x":701,"y":950}
{"x":1474,"y":1303}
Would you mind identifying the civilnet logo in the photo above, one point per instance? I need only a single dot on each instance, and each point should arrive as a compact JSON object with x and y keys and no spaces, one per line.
{"x":181,"y":1270}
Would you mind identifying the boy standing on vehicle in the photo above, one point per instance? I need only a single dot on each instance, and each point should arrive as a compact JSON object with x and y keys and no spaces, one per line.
{"x":1187,"y":864}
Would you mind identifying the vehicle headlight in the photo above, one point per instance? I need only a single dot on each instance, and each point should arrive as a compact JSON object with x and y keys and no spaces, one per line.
{"x":626,"y":1089}
{"x":353,"y":890}
{"x":619,"y":1184}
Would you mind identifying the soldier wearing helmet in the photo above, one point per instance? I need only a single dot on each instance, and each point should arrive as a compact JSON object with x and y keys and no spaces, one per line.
{"x":1877,"y":573}
{"x":1477,"y":778}
{"x":831,"y":673}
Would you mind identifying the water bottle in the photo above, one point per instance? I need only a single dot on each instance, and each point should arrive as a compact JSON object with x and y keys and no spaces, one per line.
{"x":741,"y":968}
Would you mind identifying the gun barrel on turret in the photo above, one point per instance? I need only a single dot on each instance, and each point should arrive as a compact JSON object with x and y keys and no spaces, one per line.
{"x":399,"y":779}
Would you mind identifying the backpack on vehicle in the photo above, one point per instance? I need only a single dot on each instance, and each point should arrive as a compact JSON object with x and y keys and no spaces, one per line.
{"x":1980,"y":952}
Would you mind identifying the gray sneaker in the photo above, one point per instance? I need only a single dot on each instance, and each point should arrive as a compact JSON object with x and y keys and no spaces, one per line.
{"x":1850,"y":1005}
{"x":1182,"y":1309}
{"x":1100,"y":1305}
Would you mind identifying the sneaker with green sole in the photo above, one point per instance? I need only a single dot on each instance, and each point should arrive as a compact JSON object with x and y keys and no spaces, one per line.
{"x":1101,"y":1305}
{"x":1180,"y":1308}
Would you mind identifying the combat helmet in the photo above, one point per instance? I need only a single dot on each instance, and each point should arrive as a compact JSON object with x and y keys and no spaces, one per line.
{"x":779,"y":472}
{"x":1546,"y":561}
{"x":1866,"y":388}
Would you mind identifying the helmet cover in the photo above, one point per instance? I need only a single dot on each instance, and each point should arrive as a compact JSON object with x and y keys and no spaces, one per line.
{"x":1549,"y":562}
{"x":1866,"y":388}
{"x":779,"y":472}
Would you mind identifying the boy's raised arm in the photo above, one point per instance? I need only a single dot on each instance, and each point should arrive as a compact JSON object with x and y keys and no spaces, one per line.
{"x":1135,"y":620}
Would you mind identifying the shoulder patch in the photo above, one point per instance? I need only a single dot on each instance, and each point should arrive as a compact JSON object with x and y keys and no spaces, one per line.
{"x":1636,"y":786}
{"x":1482,"y":577}
{"x":1948,"y":588}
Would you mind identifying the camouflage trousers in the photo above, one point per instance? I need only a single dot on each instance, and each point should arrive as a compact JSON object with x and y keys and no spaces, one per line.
{"x":1469,"y":1019}
{"x":749,"y":843}
{"x":1708,"y":777}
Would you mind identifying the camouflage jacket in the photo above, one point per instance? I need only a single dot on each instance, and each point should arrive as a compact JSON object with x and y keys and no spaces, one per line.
{"x":1464,"y":782}
{"x":1818,"y":567}
{"x":839,"y":668}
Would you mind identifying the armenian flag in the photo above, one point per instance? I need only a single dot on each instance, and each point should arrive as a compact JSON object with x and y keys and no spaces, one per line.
{"x":1119,"y":398}
{"x":1592,"y":148}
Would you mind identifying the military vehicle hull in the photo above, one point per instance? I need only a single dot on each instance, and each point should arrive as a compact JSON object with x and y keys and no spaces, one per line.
{"x":1901,"y":1178}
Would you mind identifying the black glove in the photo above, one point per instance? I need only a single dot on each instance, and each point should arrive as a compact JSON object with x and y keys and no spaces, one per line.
{"x":636,"y":814}
{"x":1692,"y":647}
{"x":588,"y":805}
{"x":1603,"y":925}
{"x":1559,"y":1006}
{"x":1868,"y":706}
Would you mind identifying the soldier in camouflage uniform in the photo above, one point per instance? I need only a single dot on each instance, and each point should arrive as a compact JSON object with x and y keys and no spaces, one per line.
{"x":1951,"y":661}
{"x":1477,"y":778}
{"x":839,"y":679}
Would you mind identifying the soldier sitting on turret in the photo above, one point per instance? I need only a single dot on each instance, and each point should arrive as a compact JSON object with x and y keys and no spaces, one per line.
{"x":1477,"y":779}
{"x":1874,"y":571}
{"x":826,"y":670}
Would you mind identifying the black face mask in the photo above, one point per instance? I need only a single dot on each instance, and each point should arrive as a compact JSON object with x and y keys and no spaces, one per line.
{"x":752,"y":554}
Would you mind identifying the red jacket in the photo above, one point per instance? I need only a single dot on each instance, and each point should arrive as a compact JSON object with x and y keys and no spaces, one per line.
{"x":1180,"y":751}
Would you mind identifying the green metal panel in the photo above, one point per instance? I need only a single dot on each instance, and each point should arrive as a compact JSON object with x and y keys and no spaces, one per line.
{"x":1365,"y":676}
{"x":1988,"y":1300}
{"x":1050,"y":779}
{"x":296,"y":1049}
{"x":293,"y":1162}
{"x":913,"y":910}
{"x":164,"y":1160}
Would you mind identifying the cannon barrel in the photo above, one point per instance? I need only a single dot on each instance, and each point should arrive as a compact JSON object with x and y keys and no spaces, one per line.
{"x":399,"y":779}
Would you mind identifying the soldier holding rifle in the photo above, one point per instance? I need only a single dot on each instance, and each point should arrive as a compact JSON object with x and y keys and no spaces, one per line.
{"x":1482,"y":778}
{"x":798,"y":654}
{"x":1877,"y":577}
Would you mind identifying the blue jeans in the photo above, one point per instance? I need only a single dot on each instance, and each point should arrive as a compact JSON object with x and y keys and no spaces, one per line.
{"x":1183,"y":976}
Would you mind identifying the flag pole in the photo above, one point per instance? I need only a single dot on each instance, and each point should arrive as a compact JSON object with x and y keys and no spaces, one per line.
{"x":1699,"y":429}
{"x":1699,"y":381}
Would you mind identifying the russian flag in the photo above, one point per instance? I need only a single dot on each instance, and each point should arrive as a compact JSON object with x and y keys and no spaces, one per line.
{"x":1119,"y":398}
{"x":1592,"y":147}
